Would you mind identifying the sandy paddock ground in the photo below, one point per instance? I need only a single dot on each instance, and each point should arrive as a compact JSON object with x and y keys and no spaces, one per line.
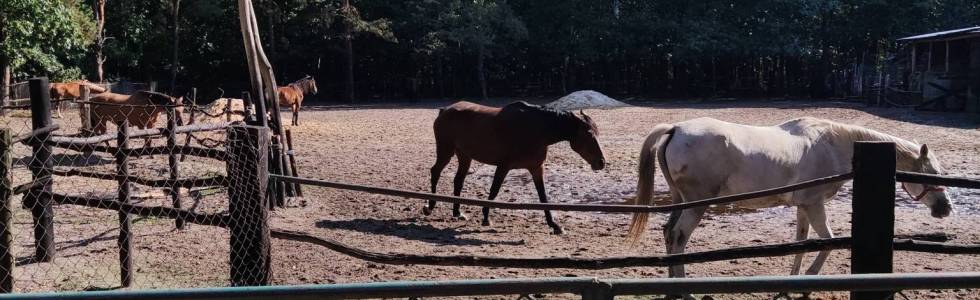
{"x":393,"y":146}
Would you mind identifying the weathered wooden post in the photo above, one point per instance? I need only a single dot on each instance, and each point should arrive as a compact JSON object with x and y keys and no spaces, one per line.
{"x":125,"y":233}
{"x":174,"y":189}
{"x":248,"y":174}
{"x":84,"y":111}
{"x":293,"y":169}
{"x":38,"y":199}
{"x":873,"y":219}
{"x":6,"y":189}
{"x":187,"y":140}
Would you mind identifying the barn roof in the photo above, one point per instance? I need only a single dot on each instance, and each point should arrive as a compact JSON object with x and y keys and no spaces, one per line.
{"x":942,"y":35}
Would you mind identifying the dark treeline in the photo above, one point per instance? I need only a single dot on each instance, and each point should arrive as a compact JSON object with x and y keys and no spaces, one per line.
{"x":382,"y":49}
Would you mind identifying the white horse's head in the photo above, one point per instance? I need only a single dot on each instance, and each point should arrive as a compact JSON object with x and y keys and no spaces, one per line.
{"x":935,"y":197}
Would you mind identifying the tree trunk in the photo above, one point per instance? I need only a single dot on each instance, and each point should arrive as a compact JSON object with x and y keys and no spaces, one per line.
{"x":564,"y":76}
{"x":175,"y":64}
{"x":99,"y":8}
{"x":348,"y":53}
{"x":272,"y":14}
{"x":5,"y":85}
{"x":481,"y":75}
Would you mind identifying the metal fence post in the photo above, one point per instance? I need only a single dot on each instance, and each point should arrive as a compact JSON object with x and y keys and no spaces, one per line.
{"x":873,"y":219}
{"x":248,"y":177}
{"x":38,"y":200}
{"x":6,"y":190}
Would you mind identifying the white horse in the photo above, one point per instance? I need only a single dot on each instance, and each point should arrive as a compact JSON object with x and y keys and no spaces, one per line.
{"x":705,"y":158}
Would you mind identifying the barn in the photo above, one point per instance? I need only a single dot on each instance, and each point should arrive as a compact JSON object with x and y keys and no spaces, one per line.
{"x":938,"y":71}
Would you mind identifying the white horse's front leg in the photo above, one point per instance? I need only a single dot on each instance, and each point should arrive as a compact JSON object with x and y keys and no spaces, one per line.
{"x":802,"y":230}
{"x":817,"y":215}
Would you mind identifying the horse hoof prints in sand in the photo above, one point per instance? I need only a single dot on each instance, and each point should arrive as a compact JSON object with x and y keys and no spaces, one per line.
{"x":705,"y":158}
{"x":515,"y":136}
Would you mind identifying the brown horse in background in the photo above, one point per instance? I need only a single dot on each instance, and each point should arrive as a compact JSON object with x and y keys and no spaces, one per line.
{"x":515,"y":136}
{"x":292,"y":95}
{"x":72,"y":90}
{"x":141,"y":110}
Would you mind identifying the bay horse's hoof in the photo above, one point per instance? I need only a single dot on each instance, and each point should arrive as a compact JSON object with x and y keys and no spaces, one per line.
{"x":558,"y":230}
{"x":486,"y":223}
{"x":426,"y":211}
{"x":460,"y":217}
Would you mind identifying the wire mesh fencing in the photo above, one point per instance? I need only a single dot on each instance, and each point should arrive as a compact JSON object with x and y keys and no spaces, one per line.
{"x":124,"y":191}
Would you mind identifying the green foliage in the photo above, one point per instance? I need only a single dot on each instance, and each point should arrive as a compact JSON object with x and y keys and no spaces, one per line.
{"x":43,"y":36}
{"x":648,"y":47}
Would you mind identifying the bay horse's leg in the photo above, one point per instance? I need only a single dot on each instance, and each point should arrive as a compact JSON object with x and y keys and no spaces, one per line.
{"x":461,"y":172}
{"x":817,"y":215}
{"x":498,"y":180}
{"x":537,"y":174}
{"x":802,"y":230}
{"x":295,"y":114}
{"x":444,"y":153}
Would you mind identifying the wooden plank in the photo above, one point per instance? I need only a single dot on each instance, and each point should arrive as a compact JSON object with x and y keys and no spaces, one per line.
{"x":873,"y":219}
{"x":6,"y":195}
{"x":248,"y":173}
{"x":35,"y":200}
{"x":125,"y":232}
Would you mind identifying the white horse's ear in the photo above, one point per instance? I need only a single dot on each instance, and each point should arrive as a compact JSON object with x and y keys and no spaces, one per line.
{"x":924,"y":151}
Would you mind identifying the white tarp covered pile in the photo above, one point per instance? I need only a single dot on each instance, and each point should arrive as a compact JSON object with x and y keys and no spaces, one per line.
{"x":585,"y":99}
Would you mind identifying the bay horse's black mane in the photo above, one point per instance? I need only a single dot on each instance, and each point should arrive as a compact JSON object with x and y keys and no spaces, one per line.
{"x":552,"y":115}
{"x":303,"y":84}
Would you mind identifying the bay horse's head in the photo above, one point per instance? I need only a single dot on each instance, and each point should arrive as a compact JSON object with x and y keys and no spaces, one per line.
{"x":308,"y":84}
{"x":935,"y":197}
{"x":584,"y":141}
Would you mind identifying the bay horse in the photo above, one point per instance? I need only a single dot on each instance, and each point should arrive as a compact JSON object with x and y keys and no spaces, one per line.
{"x":72,"y":90}
{"x":515,"y":136}
{"x":292,"y":95}
{"x":141,"y":110}
{"x":705,"y":158}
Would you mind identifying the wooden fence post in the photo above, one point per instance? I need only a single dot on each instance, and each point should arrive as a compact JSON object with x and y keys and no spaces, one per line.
{"x":125,"y":232}
{"x":84,"y":112}
{"x":6,"y":240}
{"x":191,"y":120}
{"x":38,"y":199}
{"x":248,"y":177}
{"x":172,"y":161}
{"x":873,"y":219}
{"x":293,"y":169}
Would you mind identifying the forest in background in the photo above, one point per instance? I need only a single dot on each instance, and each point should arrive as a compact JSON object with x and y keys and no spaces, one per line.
{"x":361,"y":50}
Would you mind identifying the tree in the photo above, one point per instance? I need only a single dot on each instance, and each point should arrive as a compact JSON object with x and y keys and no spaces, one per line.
{"x":481,"y":24}
{"x":39,"y":36}
{"x":98,"y":6}
{"x":175,"y":63}
{"x":352,"y":24}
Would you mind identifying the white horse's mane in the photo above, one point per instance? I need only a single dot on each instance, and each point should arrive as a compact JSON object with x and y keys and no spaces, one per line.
{"x":905,"y":149}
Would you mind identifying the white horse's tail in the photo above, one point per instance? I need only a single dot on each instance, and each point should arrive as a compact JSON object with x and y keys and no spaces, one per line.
{"x":644,"y":187}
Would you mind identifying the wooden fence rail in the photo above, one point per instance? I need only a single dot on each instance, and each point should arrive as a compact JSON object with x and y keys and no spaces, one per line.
{"x":607,"y":208}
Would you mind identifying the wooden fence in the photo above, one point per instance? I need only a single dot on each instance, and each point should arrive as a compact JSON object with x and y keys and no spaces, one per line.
{"x":248,"y":158}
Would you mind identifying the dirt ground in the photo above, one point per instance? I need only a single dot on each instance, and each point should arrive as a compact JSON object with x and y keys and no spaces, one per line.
{"x":393,"y":146}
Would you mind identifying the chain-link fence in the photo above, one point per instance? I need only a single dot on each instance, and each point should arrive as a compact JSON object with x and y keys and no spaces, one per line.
{"x":129,"y":191}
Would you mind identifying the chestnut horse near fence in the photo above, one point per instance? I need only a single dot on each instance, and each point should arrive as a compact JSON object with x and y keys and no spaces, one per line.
{"x":515,"y":136}
{"x":292,"y":95}
{"x":141,"y":110}
{"x":72,"y":90}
